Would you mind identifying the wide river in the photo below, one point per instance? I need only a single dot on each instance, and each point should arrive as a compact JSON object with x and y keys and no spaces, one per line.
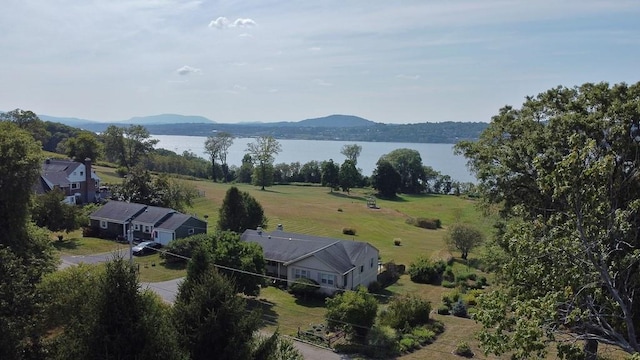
{"x":439,"y":156}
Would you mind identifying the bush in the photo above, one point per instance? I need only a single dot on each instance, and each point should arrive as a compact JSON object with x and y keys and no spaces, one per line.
{"x":463,"y":349}
{"x":435,"y":326}
{"x":183,"y":248}
{"x":348,"y":231}
{"x":383,"y":340}
{"x":407,"y":344}
{"x":482,"y":281}
{"x":397,"y":242}
{"x":449,"y":298}
{"x":304,"y":287}
{"x":443,"y":310}
{"x":406,"y":311}
{"x":423,"y":336}
{"x":431,"y":224}
{"x":448,"y":284}
{"x":425,"y":271}
{"x":459,"y":309}
{"x":122,"y":171}
{"x":448,"y":274}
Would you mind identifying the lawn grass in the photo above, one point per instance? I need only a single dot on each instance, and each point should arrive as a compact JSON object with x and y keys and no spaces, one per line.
{"x":152,"y":268}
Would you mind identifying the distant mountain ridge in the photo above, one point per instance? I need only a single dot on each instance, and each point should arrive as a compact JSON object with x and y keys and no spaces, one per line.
{"x":332,"y":127}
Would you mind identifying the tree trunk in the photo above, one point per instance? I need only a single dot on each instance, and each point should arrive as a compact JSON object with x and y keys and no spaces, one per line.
{"x":590,"y":349}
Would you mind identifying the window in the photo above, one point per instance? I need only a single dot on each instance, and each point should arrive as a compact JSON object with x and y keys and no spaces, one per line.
{"x":361,"y":268}
{"x":103,"y":224}
{"x":191,"y":231}
{"x":371,"y":262}
{"x":327,"y":279}
{"x":301,"y":273}
{"x":136,"y":227}
{"x":147,"y":229}
{"x":81,"y":173}
{"x":75,"y":186}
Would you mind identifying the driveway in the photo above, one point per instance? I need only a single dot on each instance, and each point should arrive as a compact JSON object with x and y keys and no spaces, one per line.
{"x":167,"y":290}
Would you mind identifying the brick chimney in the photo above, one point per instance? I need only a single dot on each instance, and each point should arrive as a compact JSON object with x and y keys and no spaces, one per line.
{"x":90,"y":185}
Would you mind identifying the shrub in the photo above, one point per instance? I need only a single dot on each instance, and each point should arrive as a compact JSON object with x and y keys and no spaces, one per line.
{"x":463,"y":349}
{"x":383,"y":339}
{"x":435,"y":326}
{"x":448,"y":274}
{"x":339,"y":209}
{"x":459,"y":309}
{"x":425,"y":271}
{"x":406,"y":311}
{"x":304,"y":287}
{"x":431,"y":224}
{"x":397,"y":242}
{"x":122,"y":171}
{"x":451,"y":297}
{"x":482,"y":281}
{"x":448,"y":284}
{"x":408,"y":344}
{"x":349,"y":231}
{"x":472,"y":276}
{"x":423,"y":336}
{"x":443,"y":310}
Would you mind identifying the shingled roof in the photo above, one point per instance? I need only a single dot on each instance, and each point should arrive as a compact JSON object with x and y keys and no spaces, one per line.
{"x":289,"y":248}
{"x":118,"y":211}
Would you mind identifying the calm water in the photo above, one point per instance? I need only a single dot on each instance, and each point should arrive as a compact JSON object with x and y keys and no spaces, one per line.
{"x":439,"y":156}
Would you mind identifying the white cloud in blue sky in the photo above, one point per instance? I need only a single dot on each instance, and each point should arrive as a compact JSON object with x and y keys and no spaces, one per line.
{"x":393,"y":62}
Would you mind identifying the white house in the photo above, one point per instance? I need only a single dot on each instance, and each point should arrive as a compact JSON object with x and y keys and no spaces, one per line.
{"x":335,"y":264}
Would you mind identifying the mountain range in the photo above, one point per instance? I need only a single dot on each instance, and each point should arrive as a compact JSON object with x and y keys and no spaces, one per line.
{"x":332,"y":127}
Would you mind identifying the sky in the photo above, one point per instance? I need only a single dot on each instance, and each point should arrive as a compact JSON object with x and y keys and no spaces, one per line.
{"x":244,"y":61}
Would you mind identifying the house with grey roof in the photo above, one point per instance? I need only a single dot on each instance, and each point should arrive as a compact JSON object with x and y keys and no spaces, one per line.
{"x":77,"y":180}
{"x":119,"y":219}
{"x":335,"y":264}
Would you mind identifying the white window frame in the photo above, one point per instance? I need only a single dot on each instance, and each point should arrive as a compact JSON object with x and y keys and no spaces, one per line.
{"x":301,"y":273}
{"x":327,"y":279}
{"x":75,"y":186}
{"x":147,"y":229}
{"x":103,"y":224}
{"x":136,"y":227}
{"x":191,"y":231}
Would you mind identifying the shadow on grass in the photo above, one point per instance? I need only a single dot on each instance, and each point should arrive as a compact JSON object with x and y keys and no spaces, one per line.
{"x":66,"y":244}
{"x":472,"y":263}
{"x":311,"y":301}
{"x":384,"y":296}
{"x":174,"y":265}
{"x":347,"y":196}
{"x":269,"y":316}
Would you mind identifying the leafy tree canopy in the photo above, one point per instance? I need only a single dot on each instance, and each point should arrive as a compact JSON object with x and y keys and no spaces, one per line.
{"x":354,"y":311}
{"x":563,"y":169}
{"x":463,"y":238}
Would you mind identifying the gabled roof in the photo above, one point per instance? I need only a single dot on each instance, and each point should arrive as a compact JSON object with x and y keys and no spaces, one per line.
{"x":59,"y":166}
{"x":153,"y":214}
{"x":175,"y":221}
{"x":118,"y":211}
{"x":289,"y":248}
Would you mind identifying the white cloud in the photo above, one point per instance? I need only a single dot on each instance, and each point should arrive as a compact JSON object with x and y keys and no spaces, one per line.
{"x":223,"y":23}
{"x":219,"y":23}
{"x":245,"y":35}
{"x":244,"y":23}
{"x":186,"y":70}
{"x":315,"y":48}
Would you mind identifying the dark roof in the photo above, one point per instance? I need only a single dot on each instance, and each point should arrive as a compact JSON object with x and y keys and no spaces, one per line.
{"x":118,"y":211}
{"x":59,"y":166}
{"x":288,"y":248}
{"x":174,"y":221}
{"x":153,"y":214}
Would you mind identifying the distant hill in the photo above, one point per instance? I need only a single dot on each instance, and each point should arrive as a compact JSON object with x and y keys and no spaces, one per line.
{"x":168,"y":119}
{"x":70,"y":121}
{"x":336,"y":121}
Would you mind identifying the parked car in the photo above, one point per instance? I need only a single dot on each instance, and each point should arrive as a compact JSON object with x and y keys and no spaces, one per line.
{"x":146,"y":247}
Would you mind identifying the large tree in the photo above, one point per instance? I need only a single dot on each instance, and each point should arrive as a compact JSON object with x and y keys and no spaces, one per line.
{"x":240,"y":211}
{"x":51,"y":212}
{"x":330,"y":174}
{"x":349,"y":176}
{"x":385,"y":179}
{"x":29,"y":121}
{"x":212,"y":318}
{"x":25,"y":252}
{"x":464,"y":238}
{"x":351,"y":152}
{"x":263,"y":151}
{"x":408,"y":164}
{"x":217,"y":146}
{"x":564,"y":171}
{"x":354,"y":311}
{"x":84,"y":145}
{"x":113,"y":140}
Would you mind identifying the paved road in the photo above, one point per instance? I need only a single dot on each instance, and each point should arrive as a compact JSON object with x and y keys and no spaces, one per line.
{"x":167,"y":290}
